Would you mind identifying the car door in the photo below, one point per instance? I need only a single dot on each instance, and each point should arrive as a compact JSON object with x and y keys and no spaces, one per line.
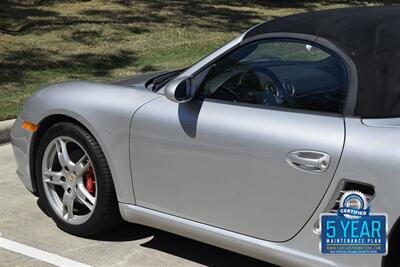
{"x":254,"y":158}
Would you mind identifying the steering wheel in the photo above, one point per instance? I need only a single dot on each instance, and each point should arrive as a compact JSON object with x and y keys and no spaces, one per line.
{"x":232,"y":93}
{"x":235,"y":91}
{"x":274,"y":98}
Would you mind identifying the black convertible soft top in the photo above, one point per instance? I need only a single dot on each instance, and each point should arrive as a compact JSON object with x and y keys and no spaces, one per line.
{"x":370,"y":36}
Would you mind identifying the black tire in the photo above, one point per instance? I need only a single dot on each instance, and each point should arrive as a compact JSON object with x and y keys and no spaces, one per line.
{"x":106,"y":213}
{"x":392,"y":259}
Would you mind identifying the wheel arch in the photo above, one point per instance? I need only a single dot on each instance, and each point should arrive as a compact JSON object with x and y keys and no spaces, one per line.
{"x":105,"y":110}
{"x":44,"y":126}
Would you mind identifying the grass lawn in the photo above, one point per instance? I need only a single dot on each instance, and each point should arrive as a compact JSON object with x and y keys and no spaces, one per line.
{"x":44,"y":42}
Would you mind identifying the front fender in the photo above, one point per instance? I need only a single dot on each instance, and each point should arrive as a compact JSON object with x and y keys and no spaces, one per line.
{"x":105,"y":110}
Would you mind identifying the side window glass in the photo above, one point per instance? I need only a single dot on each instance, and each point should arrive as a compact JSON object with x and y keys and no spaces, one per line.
{"x":290,"y":74}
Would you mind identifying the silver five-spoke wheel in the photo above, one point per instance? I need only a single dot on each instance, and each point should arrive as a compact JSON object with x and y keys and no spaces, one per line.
{"x":69,"y":180}
{"x":74,"y":180}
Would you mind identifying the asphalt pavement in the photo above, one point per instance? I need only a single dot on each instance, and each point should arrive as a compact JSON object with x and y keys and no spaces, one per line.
{"x":25,"y":228}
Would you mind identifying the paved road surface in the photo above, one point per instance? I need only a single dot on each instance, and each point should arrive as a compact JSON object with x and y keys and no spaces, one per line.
{"x":23,"y":221}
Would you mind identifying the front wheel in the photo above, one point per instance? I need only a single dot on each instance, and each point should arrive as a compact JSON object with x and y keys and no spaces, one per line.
{"x":75,"y":181}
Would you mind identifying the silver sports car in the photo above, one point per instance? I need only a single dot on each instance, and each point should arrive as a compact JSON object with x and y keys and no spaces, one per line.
{"x":243,"y":150}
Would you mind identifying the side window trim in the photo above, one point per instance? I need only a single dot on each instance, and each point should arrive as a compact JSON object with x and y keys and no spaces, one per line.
{"x":352,"y":77}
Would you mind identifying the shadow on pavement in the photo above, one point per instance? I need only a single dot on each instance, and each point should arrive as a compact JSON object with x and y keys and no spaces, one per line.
{"x":175,"y":245}
{"x":179,"y":246}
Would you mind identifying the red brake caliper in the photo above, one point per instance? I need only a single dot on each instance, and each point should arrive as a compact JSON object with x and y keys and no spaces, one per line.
{"x":90,"y":181}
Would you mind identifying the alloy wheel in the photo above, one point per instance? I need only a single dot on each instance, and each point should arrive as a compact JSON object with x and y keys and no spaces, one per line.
{"x":69,"y":180}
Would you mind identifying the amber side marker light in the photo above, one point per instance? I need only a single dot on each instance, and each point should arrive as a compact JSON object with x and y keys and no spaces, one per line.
{"x":29,"y":126}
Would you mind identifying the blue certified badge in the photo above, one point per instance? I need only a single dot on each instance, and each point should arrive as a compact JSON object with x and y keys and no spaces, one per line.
{"x":353,"y":230}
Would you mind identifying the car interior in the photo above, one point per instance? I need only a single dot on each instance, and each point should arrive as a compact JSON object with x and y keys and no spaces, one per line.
{"x":312,"y":82}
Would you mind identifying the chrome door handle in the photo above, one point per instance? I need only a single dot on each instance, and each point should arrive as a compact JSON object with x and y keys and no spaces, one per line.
{"x":309,"y":160}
